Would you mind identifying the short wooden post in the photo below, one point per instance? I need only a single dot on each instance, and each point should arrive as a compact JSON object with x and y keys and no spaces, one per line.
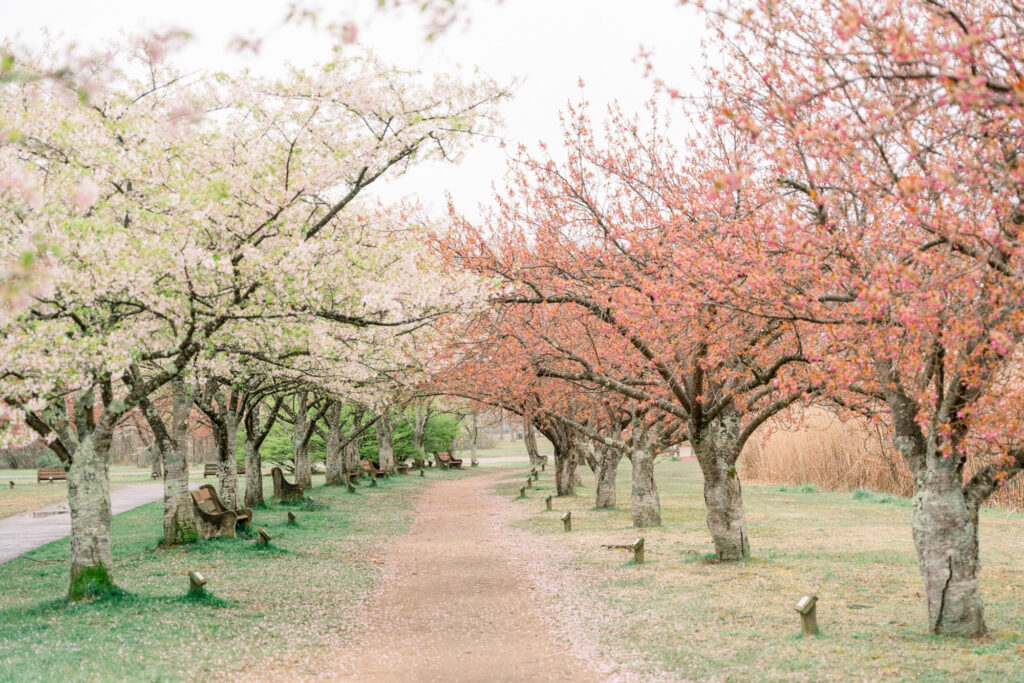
{"x":542,"y":466}
{"x":196,"y":581}
{"x":262,"y":537}
{"x":807,"y":607}
{"x":12,"y":484}
{"x":291,"y":517}
{"x":529,"y":483}
{"x":536,"y":477}
{"x":567,"y":521}
{"x":547,"y":501}
{"x":421,"y":471}
{"x":533,"y":471}
{"x":638,"y":550}
{"x":522,"y":492}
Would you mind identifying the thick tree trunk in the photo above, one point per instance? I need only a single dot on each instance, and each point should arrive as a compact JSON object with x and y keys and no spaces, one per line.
{"x":335,"y":458}
{"x":300,"y":445}
{"x":172,"y":445}
{"x":156,"y":470}
{"x":530,"y":440}
{"x":566,"y":461}
{"x":419,"y":431}
{"x":227,"y":470}
{"x":351,"y":456}
{"x":945,"y":529}
{"x":89,"y":502}
{"x":607,"y":466}
{"x":644,"y":500}
{"x":253,"y":473}
{"x":716,"y":452}
{"x":385,"y":447}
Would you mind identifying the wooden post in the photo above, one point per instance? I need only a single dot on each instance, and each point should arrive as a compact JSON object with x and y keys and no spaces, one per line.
{"x":12,"y":484}
{"x":807,"y":608}
{"x":547,"y":501}
{"x":529,"y":483}
{"x":533,"y":471}
{"x":196,"y":581}
{"x":262,"y":537}
{"x":638,"y":550}
{"x":542,"y":466}
{"x":536,"y":477}
{"x":421,"y":471}
{"x":291,"y":517}
{"x":567,"y":521}
{"x":522,"y":492}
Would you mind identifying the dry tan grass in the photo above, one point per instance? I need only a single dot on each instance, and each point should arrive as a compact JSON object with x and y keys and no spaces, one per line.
{"x":842,"y":455}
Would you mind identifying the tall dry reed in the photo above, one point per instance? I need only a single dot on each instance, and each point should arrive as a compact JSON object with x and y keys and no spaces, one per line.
{"x":842,"y":455}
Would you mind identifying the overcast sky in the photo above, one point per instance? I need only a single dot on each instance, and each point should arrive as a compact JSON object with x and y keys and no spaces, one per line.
{"x":549,"y":45}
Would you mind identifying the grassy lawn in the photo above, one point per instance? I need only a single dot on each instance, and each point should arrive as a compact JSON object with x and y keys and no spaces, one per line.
{"x":682,"y":615}
{"x":297,"y":595}
{"x":504,"y":448}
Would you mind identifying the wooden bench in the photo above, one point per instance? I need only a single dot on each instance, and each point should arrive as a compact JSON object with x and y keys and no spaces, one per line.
{"x":445,"y":460}
{"x":212,"y":468}
{"x":401,"y":468}
{"x":284,"y":490}
{"x":51,"y":474}
{"x":372,"y":470}
{"x":213,"y":520}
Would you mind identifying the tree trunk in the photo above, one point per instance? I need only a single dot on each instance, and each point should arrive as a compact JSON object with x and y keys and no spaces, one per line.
{"x":172,"y":445}
{"x":530,"y":440}
{"x":717,"y":451}
{"x":419,"y":431}
{"x":945,"y":529}
{"x":605,"y":471}
{"x":644,"y":500}
{"x":335,"y":459}
{"x":472,"y":440}
{"x":227,"y":471}
{"x":385,"y":447}
{"x":351,"y":456}
{"x":300,"y":445}
{"x":566,"y":460}
{"x":89,"y":502}
{"x":253,"y":461}
{"x":156,"y":470}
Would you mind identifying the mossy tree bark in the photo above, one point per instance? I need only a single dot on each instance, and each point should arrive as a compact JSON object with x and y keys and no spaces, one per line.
{"x":335,"y":463}
{"x":385,"y":445}
{"x":178,"y":519}
{"x":644,"y":501}
{"x":607,"y":465}
{"x":717,"y":445}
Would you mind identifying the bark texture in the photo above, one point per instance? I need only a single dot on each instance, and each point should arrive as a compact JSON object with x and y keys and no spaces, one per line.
{"x":607,"y":465}
{"x":717,"y":449}
{"x":385,"y":447}
{"x":335,"y":462}
{"x":301,"y":432}
{"x":945,"y":532}
{"x":172,"y":443}
{"x":530,"y":441}
{"x":644,"y":501}
{"x":89,"y":502}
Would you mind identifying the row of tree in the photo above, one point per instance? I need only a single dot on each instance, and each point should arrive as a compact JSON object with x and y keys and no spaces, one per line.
{"x":842,"y":227}
{"x":204,"y":239}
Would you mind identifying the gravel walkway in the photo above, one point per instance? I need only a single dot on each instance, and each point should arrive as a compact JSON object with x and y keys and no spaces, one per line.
{"x":454,"y":604}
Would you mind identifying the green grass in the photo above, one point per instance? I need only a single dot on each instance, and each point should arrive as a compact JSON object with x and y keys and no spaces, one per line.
{"x":298,"y":594}
{"x":685,"y":616}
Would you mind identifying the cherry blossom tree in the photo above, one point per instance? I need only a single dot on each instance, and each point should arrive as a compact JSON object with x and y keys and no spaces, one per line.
{"x":179,"y":209}
{"x":887,"y":136}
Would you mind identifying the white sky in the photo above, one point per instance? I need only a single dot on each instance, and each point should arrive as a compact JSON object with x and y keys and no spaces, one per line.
{"x":548,"y":44}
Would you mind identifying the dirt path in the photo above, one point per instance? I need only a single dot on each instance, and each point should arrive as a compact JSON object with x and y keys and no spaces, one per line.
{"x":453,"y":606}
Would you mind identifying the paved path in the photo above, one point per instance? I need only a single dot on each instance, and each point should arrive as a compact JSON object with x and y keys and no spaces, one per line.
{"x":454,"y":605}
{"x":29,"y":530}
